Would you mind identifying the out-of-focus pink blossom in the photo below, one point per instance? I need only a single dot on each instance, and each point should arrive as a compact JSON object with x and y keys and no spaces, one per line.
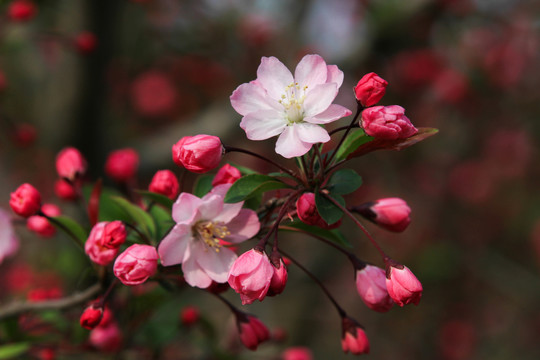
{"x":40,"y":225}
{"x":403,"y":287}
{"x":3,"y":81}
{"x":194,"y":241}
{"x":85,"y":42}
{"x":353,"y":338}
{"x":228,"y":174}
{"x":308,"y":214}
{"x":189,"y":315}
{"x":122,"y":165}
{"x":508,"y":153}
{"x":472,"y":181}
{"x":24,"y":135}
{"x":91,"y":317}
{"x":256,"y":29}
{"x":9,"y":243}
{"x":106,"y":338}
{"x":371,"y":286}
{"x":293,"y":107}
{"x":21,"y":10}
{"x":25,"y":201}
{"x":297,"y":353}
{"x":252,"y":331}
{"x":94,"y":247}
{"x":153,"y":94}
{"x":70,"y":163}
{"x":114,"y":234}
{"x":199,"y":153}
{"x":65,"y":190}
{"x":387,"y":122}
{"x":251,"y":275}
{"x":451,"y":86}
{"x":165,"y":183}
{"x":136,"y":264}
{"x":370,"y":89}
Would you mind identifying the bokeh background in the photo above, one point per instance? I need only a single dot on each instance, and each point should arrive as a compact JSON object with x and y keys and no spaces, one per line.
{"x":163,"y":69}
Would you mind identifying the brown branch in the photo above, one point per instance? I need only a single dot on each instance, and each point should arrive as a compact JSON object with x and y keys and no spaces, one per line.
{"x":17,"y":308}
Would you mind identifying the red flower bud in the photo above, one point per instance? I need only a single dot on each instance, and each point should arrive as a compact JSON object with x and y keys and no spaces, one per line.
{"x":370,"y":89}
{"x":251,"y":275}
{"x":65,"y":190}
{"x":85,"y":42}
{"x":114,"y":234}
{"x":387,"y":122}
{"x":279,"y":279}
{"x":40,"y":224}
{"x":353,"y":338}
{"x":136,"y":264}
{"x":165,"y":183}
{"x":297,"y":353}
{"x":308,"y":214}
{"x":226,"y":175}
{"x":91,"y":317}
{"x":402,"y":285}
{"x":70,"y":163}
{"x":121,"y":165}
{"x":189,"y":315}
{"x":25,"y":201}
{"x":199,"y":153}
{"x":21,"y":10}
{"x":390,"y":213}
{"x":371,"y":286}
{"x":252,"y":331}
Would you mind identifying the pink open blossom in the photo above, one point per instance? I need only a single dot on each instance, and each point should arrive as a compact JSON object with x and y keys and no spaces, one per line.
{"x":293,"y":107}
{"x":195,"y":242}
{"x":251,"y":276}
{"x":9,"y":243}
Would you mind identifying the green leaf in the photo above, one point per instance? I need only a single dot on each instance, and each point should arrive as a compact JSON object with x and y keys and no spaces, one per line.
{"x":203,"y":185}
{"x":344,"y":181}
{"x":157,"y":198}
{"x":333,"y":235}
{"x":355,"y":139}
{"x":64,"y":222}
{"x":327,"y":209}
{"x":11,"y":351}
{"x":244,"y":170}
{"x":162,"y":219}
{"x":251,"y":185}
{"x":141,"y":218}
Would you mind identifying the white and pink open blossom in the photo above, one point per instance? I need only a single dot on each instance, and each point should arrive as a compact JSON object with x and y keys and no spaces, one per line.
{"x":293,"y":107}
{"x":195,"y":240}
{"x":9,"y":243}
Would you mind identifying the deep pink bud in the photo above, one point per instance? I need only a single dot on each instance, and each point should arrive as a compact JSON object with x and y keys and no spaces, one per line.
{"x":279,"y":279}
{"x":353,"y":338}
{"x":40,"y":224}
{"x":85,"y":42}
{"x":392,"y":214}
{"x":199,"y":153}
{"x":370,"y":89}
{"x":226,"y":175}
{"x":387,"y":122}
{"x":70,"y":163}
{"x":402,"y":285}
{"x":94,"y":247}
{"x":251,"y":275}
{"x":25,"y":201}
{"x":114,"y":234}
{"x":252,"y":331}
{"x":308,"y":214}
{"x":21,"y":10}
{"x":371,"y":286}
{"x":297,"y":353}
{"x":189,"y":315}
{"x":136,"y":264}
{"x":165,"y":183}
{"x":91,"y":317}
{"x":65,"y":190}
{"x":122,"y":165}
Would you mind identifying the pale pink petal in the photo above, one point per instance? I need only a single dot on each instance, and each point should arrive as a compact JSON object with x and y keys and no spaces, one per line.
{"x":244,"y":226}
{"x":172,"y":248}
{"x":229,"y":212}
{"x":289,"y":144}
{"x":310,"y":71}
{"x":221,"y":189}
{"x":333,"y":113}
{"x":274,"y":77}
{"x":216,"y":264}
{"x":311,"y":133}
{"x":194,"y":274}
{"x":211,"y":206}
{"x":184,"y":210}
{"x":250,"y":97}
{"x":319,"y":99}
{"x":334,"y":75}
{"x":263,"y":124}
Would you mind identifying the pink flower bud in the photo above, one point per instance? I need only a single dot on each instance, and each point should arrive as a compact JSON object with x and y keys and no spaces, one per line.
{"x":106,"y":338}
{"x":391,"y":214}
{"x":279,"y":279}
{"x":94,"y":247}
{"x":91,"y":317}
{"x":251,"y":275}
{"x":252,"y":331}
{"x":199,"y":153}
{"x":165,"y":183}
{"x":70,"y":163}
{"x":114,"y":234}
{"x":21,"y":10}
{"x":308,"y":214}
{"x":85,"y":42}
{"x":25,"y":201}
{"x":65,"y":190}
{"x":403,"y":287}
{"x":226,"y":175}
{"x":40,"y":224}
{"x":387,"y":122}
{"x":136,"y":264}
{"x":353,"y":338}
{"x":297,"y":353}
{"x":370,"y":89}
{"x":371,"y":286}
{"x":189,"y":315}
{"x":122,"y":165}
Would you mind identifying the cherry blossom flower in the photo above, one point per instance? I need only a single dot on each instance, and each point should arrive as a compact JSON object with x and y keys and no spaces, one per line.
{"x":293,"y":107}
{"x":195,"y":242}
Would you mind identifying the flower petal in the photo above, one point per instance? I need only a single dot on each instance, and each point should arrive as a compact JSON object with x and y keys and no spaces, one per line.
{"x":333,"y":113}
{"x":319,"y":99}
{"x":211,"y":206}
{"x":289,"y":144}
{"x":185,"y":209}
{"x":334,"y":75}
{"x":311,"y":133}
{"x":310,"y":71}
{"x":244,"y":226}
{"x":216,"y":264}
{"x":274,"y":77}
{"x":173,"y":247}
{"x":248,"y":98}
{"x":263,"y":124}
{"x":194,"y":274}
